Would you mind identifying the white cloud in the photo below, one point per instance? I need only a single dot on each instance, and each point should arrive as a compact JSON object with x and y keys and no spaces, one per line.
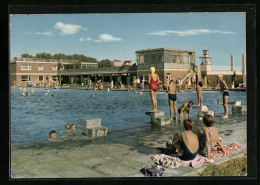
{"x":188,"y":32}
{"x":47,"y":33}
{"x":107,"y":38}
{"x":85,"y":39}
{"x":68,"y":29}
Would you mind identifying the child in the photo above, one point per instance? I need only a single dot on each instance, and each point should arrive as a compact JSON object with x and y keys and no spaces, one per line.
{"x":72,"y":127}
{"x":186,"y":143}
{"x":171,"y":90}
{"x":67,"y":126}
{"x":185,"y":107}
{"x":52,"y":134}
{"x":210,"y":137}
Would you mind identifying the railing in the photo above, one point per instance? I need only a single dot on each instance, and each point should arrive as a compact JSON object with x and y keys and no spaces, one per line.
{"x":226,"y":68}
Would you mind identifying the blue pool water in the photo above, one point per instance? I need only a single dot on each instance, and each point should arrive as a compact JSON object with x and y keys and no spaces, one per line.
{"x":33,"y":117}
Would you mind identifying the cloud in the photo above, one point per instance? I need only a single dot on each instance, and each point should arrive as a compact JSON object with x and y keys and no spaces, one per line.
{"x":84,"y":39}
{"x":47,"y":33}
{"x":188,"y":32}
{"x":107,"y":38}
{"x":68,"y":29}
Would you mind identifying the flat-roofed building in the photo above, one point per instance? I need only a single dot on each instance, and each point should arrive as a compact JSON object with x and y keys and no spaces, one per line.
{"x":169,"y":64}
{"x":33,"y":72}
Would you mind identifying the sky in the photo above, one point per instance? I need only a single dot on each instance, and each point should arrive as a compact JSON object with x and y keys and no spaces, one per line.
{"x":118,"y":36}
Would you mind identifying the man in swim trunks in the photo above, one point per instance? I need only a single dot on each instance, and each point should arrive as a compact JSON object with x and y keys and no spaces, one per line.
{"x":186,"y":143}
{"x":223,"y":89}
{"x":198,"y":86}
{"x":171,"y":90}
{"x":185,"y":107}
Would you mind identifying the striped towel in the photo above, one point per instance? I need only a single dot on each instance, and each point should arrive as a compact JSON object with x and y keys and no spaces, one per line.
{"x":217,"y":152}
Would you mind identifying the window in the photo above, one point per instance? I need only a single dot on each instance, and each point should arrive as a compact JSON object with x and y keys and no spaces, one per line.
{"x":168,"y":76}
{"x":54,"y":78}
{"x":40,"y":67}
{"x":26,"y":67}
{"x":54,"y":67}
{"x":40,"y":78}
{"x":47,"y":78}
{"x":25,"y":78}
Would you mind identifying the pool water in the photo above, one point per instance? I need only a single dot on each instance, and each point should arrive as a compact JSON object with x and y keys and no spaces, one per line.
{"x":33,"y":117}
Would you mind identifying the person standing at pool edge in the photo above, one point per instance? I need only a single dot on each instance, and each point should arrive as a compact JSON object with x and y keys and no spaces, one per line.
{"x":198,"y":86}
{"x":171,"y":90}
{"x":223,"y":89}
{"x":153,"y":81}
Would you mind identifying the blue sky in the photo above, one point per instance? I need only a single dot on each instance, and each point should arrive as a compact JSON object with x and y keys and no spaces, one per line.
{"x":118,"y":36}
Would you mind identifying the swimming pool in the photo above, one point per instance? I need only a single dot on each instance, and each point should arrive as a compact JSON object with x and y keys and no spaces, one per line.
{"x":33,"y":117}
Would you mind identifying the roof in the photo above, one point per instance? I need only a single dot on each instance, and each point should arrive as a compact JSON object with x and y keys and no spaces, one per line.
{"x":163,"y":49}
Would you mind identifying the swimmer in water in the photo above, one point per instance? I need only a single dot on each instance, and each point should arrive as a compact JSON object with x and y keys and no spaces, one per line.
{"x":52,"y":134}
{"x":67,"y":126}
{"x":72,"y":127}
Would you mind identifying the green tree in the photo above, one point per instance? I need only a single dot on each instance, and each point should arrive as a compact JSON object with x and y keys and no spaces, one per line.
{"x":43,"y":55}
{"x":105,"y":63}
{"x":26,"y":55}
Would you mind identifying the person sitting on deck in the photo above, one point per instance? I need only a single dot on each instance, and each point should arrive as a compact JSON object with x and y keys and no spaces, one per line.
{"x":185,"y":107}
{"x":210,"y":137}
{"x":186,"y":143}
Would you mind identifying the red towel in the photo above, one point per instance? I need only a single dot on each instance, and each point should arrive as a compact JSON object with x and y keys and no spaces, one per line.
{"x":217,"y":152}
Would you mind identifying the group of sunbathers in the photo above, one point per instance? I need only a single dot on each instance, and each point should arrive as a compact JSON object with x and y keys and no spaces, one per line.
{"x":188,"y":144}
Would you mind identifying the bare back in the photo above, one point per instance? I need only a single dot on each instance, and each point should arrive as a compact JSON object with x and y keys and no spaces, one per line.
{"x":171,"y":88}
{"x":191,"y":140}
{"x":198,"y":77}
{"x":214,"y":136}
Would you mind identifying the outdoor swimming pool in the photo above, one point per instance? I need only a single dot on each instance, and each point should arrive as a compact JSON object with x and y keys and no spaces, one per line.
{"x":33,"y":117}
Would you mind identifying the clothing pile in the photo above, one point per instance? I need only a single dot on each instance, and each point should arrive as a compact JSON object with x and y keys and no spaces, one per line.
{"x":217,"y":152}
{"x":153,"y":171}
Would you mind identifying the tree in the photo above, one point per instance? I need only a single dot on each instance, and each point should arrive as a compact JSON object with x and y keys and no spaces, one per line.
{"x":105,"y":63}
{"x":26,"y":55}
{"x":43,"y":55}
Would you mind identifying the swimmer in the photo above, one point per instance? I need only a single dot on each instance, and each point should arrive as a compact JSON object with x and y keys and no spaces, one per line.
{"x":52,"y":95}
{"x":198,"y":86}
{"x":46,"y":94}
{"x":223,"y":90}
{"x":219,"y":102}
{"x":67,"y":126}
{"x":171,"y":90}
{"x":153,"y":82}
{"x":52,"y":134}
{"x":185,"y":107}
{"x":72,"y":127}
{"x":95,"y":93}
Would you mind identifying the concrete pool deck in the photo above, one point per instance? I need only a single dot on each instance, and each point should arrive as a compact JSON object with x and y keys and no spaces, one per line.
{"x":122,"y":153}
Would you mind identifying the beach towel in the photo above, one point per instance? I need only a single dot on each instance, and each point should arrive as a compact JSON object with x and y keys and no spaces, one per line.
{"x":168,"y":161}
{"x":153,"y":171}
{"x":217,"y":152}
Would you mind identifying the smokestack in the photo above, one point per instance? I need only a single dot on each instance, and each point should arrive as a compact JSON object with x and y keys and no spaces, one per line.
{"x":232,"y":63}
{"x":243,"y":68}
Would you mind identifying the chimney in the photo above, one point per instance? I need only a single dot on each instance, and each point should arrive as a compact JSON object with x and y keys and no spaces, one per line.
{"x":232,"y":63}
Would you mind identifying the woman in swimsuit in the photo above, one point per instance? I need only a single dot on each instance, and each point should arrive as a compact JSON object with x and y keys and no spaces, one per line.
{"x":198,"y":86}
{"x":153,"y":81}
{"x":210,"y":137}
{"x":223,"y":90}
{"x":186,"y":143}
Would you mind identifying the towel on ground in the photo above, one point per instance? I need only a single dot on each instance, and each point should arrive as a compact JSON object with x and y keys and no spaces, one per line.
{"x":217,"y":152}
{"x":174,"y":162}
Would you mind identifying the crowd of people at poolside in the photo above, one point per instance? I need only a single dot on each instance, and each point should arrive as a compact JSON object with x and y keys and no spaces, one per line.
{"x":188,"y":144}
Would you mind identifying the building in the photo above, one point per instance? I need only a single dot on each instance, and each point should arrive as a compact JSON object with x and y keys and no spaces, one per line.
{"x":170,"y":64}
{"x":36,"y":72}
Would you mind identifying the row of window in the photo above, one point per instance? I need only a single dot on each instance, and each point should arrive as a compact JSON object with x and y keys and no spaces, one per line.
{"x":40,"y":67}
{"x":27,"y":78}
